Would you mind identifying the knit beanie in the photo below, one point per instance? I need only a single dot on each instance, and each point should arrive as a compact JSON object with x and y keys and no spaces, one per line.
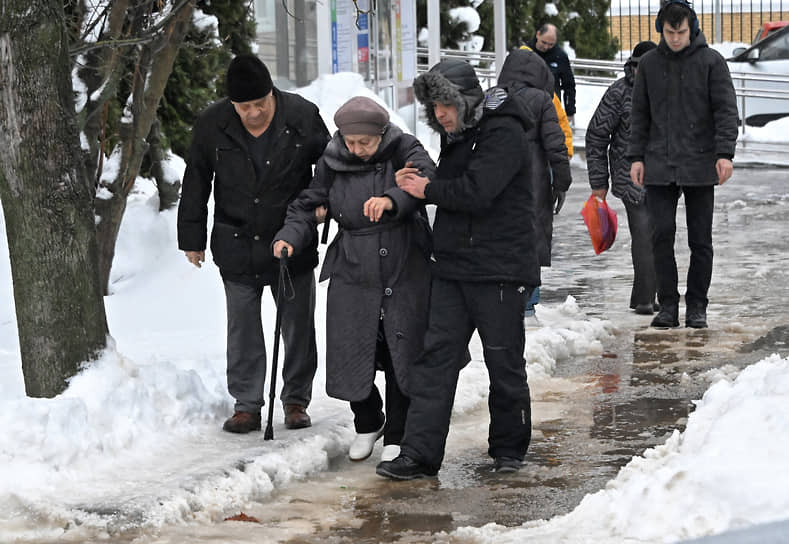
{"x":641,"y":48}
{"x":247,"y":79}
{"x":361,"y":115}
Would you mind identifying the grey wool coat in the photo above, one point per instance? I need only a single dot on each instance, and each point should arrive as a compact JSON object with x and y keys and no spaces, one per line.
{"x":377,"y":271}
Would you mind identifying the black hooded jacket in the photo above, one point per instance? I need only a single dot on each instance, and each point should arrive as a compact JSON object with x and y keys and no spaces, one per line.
{"x":684,"y":114}
{"x":485,"y":227}
{"x":526,"y":78}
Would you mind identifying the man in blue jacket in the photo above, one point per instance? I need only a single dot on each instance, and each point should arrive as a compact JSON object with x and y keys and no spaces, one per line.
{"x":682,"y":141}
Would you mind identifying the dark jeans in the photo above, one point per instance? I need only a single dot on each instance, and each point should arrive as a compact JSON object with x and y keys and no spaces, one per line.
{"x":699,"y":205}
{"x":246,"y":349}
{"x":643,"y":291}
{"x":367,"y":414}
{"x":457,"y":309}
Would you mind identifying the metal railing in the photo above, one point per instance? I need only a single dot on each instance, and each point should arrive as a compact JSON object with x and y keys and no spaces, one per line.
{"x":484,"y":63}
{"x":604,"y":72}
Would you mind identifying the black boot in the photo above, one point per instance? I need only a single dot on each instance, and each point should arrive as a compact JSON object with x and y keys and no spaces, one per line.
{"x":403,"y":467}
{"x":667,"y":317}
{"x":696,"y":318}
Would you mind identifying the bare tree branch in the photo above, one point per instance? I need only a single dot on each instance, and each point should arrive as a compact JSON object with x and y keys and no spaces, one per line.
{"x":360,"y":12}
{"x":149,"y":35}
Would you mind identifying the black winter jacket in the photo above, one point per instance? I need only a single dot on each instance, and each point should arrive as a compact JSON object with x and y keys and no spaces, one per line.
{"x":485,"y":227}
{"x":684,"y":114}
{"x":248,"y":214}
{"x":528,"y":81}
{"x":606,"y":141}
{"x":564,"y":81}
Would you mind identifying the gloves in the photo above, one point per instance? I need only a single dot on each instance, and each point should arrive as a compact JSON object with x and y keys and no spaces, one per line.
{"x":558,"y":200}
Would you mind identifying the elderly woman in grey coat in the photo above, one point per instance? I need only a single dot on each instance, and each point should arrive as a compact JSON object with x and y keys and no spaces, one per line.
{"x":379,"y":290}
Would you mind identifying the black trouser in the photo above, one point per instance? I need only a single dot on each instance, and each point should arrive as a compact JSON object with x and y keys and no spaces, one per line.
{"x":699,"y":205}
{"x":367,"y":414}
{"x":456,"y":310}
{"x":643,"y":291}
{"x":246,"y":350}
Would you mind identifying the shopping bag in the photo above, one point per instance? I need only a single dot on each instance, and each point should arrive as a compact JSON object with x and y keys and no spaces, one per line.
{"x":601,"y":222}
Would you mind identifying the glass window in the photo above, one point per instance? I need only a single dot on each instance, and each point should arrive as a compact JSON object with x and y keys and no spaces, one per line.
{"x":264,"y":15}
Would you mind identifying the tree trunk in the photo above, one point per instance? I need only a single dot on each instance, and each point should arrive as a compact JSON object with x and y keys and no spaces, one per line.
{"x":169,"y":189}
{"x":155,"y":63}
{"x":47,"y":200}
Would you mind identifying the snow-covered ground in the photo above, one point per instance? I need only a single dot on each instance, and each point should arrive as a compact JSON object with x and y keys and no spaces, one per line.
{"x":135,"y":440}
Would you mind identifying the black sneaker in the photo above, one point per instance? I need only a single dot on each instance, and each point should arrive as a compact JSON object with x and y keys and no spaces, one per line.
{"x":404,"y":468}
{"x":667,"y":317}
{"x":506,"y":464}
{"x":696,"y":319}
{"x":645,"y":309}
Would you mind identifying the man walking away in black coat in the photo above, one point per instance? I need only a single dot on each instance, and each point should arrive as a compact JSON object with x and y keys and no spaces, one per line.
{"x":255,"y":149}
{"x":606,"y":148}
{"x":484,"y":266}
{"x":546,"y":45}
{"x":683,"y":137}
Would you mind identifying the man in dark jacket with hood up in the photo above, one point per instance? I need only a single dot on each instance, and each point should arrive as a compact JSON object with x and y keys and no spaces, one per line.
{"x":527,"y":79}
{"x":683,"y":137}
{"x":606,"y":147}
{"x":255,"y":149}
{"x":485,"y":264}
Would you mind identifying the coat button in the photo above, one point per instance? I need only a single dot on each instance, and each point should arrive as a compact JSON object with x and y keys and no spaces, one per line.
{"x":257,"y":237}
{"x":268,"y":162}
{"x":256,"y":201}
{"x":388,"y":292}
{"x":399,"y":335}
{"x":383,"y":252}
{"x":235,"y":235}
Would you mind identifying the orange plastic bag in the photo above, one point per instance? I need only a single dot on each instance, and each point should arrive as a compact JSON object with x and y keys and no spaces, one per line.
{"x":601,"y":222}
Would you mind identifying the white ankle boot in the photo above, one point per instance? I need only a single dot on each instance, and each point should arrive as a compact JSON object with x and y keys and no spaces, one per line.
{"x":362,"y":446}
{"x":390,"y":452}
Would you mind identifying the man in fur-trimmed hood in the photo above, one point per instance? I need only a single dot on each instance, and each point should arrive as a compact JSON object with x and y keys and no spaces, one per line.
{"x":484,"y":267}
{"x":450,"y":82}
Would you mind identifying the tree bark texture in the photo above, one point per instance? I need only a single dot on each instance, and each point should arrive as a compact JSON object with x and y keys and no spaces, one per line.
{"x":47,"y":200}
{"x":169,"y":189}
{"x":153,"y":66}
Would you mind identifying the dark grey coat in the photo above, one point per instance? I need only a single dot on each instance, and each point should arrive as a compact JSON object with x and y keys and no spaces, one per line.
{"x":530,"y":84}
{"x":375,"y":269}
{"x":684,"y":114}
{"x":606,"y":141}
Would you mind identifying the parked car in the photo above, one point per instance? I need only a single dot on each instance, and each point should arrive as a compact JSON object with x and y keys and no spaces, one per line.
{"x":766,"y":99}
{"x":768,"y":28}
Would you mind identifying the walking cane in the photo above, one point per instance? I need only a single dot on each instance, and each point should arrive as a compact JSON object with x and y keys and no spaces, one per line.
{"x":283,"y":270}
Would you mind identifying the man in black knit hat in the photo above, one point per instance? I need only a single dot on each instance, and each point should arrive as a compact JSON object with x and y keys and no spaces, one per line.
{"x":255,"y":149}
{"x":484,"y":267}
{"x":683,"y":134}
